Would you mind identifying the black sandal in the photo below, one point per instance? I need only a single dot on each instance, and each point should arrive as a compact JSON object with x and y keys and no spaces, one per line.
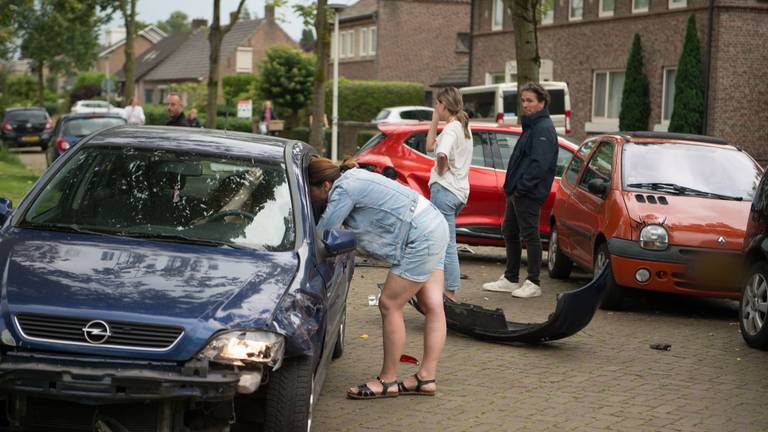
{"x":365,"y":392}
{"x":403,"y":390}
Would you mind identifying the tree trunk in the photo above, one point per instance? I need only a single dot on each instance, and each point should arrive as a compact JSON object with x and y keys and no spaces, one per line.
{"x":40,"y":84}
{"x":129,"y":15}
{"x":321,"y":66}
{"x":215,"y":36}
{"x":524,"y":22}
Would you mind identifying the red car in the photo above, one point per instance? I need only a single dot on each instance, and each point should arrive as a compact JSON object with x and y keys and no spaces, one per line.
{"x":400,"y":150}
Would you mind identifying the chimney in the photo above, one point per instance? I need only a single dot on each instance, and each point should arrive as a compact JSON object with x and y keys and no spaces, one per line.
{"x":199,"y":23}
{"x":269,"y":11}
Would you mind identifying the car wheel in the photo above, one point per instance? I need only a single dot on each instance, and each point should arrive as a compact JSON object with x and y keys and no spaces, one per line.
{"x":613,"y":296}
{"x":290,"y":396}
{"x":338,"y":348}
{"x":558,"y":264}
{"x":753,"y":311}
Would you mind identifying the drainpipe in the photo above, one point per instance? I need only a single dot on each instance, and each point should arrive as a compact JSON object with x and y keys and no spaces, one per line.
{"x":708,"y":63}
{"x":471,"y":40}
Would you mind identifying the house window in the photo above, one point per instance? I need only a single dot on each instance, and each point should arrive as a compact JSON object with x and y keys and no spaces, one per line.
{"x":333,"y":45}
{"x":668,"y":101}
{"x":606,"y":95}
{"x":575,"y":10}
{"x":606,"y":8}
{"x":494,"y":78}
{"x":163,"y":94}
{"x":547,"y":11}
{"x":347,"y":44}
{"x":674,"y":4}
{"x":372,"y":35}
{"x":149,"y":95}
{"x":639,"y":6}
{"x":498,"y":15}
{"x":364,"y":42}
{"x":244,"y":60}
{"x":351,"y":39}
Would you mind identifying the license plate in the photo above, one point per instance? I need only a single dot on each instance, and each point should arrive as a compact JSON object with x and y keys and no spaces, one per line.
{"x":722,"y":270}
{"x":30,"y":138}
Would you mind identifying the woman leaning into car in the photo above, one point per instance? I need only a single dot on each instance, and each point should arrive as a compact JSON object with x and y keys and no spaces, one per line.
{"x":449,"y":179}
{"x":395,"y":224}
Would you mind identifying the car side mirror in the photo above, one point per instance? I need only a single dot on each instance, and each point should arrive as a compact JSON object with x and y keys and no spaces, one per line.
{"x":5,"y":210}
{"x":597,"y":186}
{"x":338,"y":241}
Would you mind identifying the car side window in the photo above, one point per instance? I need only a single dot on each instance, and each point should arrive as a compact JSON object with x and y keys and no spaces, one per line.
{"x":479,"y":140}
{"x":417,"y":141}
{"x":563,"y":157}
{"x":585,"y":148}
{"x":573,"y":169}
{"x":600,"y":165}
{"x":506,"y":143}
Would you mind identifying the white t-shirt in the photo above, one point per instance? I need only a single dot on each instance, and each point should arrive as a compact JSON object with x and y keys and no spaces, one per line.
{"x":458,"y":149}
{"x":134,"y":116}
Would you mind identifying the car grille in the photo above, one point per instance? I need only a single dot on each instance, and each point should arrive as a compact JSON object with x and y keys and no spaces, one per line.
{"x":123,"y":334}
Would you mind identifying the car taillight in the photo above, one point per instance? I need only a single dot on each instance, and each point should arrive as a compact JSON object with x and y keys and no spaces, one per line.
{"x":62,"y":145}
{"x":567,"y":122}
{"x":499,"y":118}
{"x":49,"y":125}
{"x":7,"y":126}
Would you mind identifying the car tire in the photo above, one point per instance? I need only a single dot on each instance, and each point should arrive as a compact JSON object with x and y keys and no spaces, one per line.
{"x":338,"y":348}
{"x":558,"y":264}
{"x":290,"y":396}
{"x":613,"y":296}
{"x":752,"y":321}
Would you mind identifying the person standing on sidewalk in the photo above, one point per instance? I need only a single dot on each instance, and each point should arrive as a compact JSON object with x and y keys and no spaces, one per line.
{"x":530,"y":173}
{"x":449,"y":179}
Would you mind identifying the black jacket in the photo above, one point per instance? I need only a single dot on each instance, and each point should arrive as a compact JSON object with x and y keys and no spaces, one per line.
{"x":179,"y":120}
{"x":532,"y":165}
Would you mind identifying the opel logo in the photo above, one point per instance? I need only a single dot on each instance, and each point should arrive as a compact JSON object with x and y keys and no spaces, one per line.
{"x":96,"y":332}
{"x":721,"y":241}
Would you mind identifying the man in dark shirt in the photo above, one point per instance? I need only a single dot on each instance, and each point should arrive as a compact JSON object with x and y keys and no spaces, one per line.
{"x":175,"y":106}
{"x":530,"y":173}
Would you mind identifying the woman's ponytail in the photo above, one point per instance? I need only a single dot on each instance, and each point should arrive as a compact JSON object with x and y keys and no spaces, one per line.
{"x":463,"y":118}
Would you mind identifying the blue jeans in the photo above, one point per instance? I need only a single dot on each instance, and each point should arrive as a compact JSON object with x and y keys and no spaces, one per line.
{"x":449,"y":205}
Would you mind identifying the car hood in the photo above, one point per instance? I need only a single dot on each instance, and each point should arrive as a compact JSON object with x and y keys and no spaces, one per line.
{"x":694,"y":221}
{"x":128,"y":279}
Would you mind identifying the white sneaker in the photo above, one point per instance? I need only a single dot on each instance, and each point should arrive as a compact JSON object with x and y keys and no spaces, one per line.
{"x":501,"y":285}
{"x":527,"y":290}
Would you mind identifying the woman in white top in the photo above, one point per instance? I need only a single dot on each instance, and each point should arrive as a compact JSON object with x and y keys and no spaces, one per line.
{"x":134,"y":114}
{"x":449,"y":179}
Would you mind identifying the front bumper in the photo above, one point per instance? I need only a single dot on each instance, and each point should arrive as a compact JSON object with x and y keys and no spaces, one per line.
{"x":98,"y":380}
{"x":681,"y":270}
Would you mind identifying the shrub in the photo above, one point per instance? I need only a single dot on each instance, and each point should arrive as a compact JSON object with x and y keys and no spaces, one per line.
{"x":287,"y":78}
{"x":84,"y":93}
{"x":635,"y":101}
{"x":362,"y":100}
{"x":155,"y":114}
{"x":234,"y":124}
{"x":236,"y":85}
{"x":688,"y":110}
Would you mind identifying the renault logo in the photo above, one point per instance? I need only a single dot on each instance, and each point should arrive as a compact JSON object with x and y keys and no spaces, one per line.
{"x":721,"y":241}
{"x":96,"y":332}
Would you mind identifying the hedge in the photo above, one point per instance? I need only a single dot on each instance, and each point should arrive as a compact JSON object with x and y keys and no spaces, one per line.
{"x":362,"y":100}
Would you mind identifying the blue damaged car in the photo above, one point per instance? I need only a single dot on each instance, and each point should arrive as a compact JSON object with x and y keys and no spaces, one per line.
{"x":169,"y":279}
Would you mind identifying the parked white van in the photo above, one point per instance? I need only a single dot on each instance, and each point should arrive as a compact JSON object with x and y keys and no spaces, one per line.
{"x":498,"y":102}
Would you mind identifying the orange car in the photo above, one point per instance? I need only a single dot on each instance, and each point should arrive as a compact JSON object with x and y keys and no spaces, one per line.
{"x":667,"y":212}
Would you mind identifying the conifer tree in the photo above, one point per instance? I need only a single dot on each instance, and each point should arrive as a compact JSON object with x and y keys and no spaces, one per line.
{"x":688,"y":111}
{"x":635,"y":101}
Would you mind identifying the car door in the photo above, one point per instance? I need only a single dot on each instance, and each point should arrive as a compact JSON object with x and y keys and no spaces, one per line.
{"x":503,"y":143}
{"x":563,"y":205}
{"x":480,"y":216}
{"x":587,"y":206}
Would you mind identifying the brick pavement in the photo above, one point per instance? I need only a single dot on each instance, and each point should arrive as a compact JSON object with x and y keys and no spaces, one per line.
{"x":604,"y":378}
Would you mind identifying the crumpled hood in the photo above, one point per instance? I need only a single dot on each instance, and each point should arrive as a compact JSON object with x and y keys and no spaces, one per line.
{"x":69,"y":274}
{"x":693,"y":221}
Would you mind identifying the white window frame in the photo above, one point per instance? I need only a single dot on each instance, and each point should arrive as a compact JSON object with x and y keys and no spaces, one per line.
{"x":571,"y":16}
{"x":246,"y":66}
{"x":364,"y":42}
{"x":490,"y":76}
{"x":352,"y":35}
{"x":372,"y":43}
{"x":495,"y":10}
{"x":663,"y":126}
{"x":678,"y":4}
{"x":603,"y":14}
{"x":640,"y":10}
{"x":602,"y":124}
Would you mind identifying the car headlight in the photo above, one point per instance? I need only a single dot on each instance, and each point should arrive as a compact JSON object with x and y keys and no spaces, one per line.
{"x":654,"y":237}
{"x":246,"y":347}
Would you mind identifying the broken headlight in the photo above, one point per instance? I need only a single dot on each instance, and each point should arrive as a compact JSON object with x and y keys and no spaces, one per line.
{"x":246,"y":347}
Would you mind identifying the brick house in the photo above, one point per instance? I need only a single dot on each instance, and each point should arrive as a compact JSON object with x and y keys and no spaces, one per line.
{"x":404,"y":40}
{"x":586,"y":44}
{"x":112,"y":57}
{"x":185,"y":59}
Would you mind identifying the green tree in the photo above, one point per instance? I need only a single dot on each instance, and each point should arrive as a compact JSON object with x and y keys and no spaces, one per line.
{"x":688,"y":109}
{"x":635,"y":101}
{"x":177,"y":22}
{"x":235,"y":86}
{"x":307,"y":41}
{"x":287,"y":79}
{"x":216,"y":35}
{"x":10,"y":13}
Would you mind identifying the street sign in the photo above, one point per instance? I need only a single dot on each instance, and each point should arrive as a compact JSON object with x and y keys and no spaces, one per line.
{"x":245,"y":109}
{"x":107,"y":85}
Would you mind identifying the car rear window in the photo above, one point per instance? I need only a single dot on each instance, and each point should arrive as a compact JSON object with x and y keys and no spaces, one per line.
{"x":382,"y":115}
{"x":26,"y":115}
{"x":373,"y":141}
{"x":480,"y":105}
{"x":416,"y":115}
{"x":556,"y":102}
{"x":87,"y":126}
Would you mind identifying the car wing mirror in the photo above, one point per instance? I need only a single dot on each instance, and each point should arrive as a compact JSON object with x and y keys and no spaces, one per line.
{"x":5,"y":210}
{"x":338,"y":241}
{"x":597,"y":186}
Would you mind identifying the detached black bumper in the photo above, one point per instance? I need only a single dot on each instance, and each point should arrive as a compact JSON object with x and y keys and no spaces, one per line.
{"x":100,"y":381}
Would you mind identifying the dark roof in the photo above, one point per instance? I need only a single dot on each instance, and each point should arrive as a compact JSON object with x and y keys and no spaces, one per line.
{"x":457,"y":76}
{"x":190,"y":60}
{"x":153,"y":56}
{"x":361,"y":9}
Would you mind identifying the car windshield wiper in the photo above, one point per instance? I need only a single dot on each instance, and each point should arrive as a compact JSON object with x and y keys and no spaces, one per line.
{"x":182,"y":239}
{"x":67,"y":228}
{"x":682,"y":190}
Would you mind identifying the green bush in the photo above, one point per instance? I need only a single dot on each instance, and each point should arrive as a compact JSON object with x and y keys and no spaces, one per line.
{"x":233,"y":124}
{"x":362,"y":100}
{"x":155,"y":114}
{"x":300,"y":133}
{"x":236,"y":85}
